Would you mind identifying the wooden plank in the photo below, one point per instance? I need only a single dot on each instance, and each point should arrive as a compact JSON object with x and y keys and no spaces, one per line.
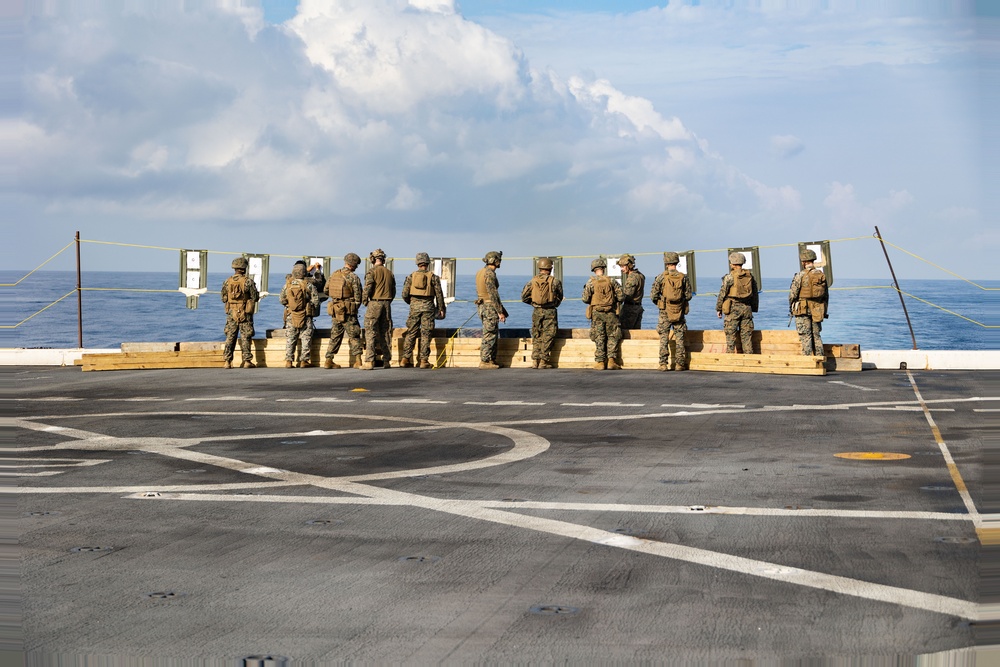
{"x":149,"y":347}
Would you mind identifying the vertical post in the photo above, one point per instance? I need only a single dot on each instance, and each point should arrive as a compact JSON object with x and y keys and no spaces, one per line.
{"x":79,"y":296}
{"x":895,"y":284}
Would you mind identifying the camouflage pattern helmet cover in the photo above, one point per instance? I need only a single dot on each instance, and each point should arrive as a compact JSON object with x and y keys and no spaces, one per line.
{"x":670,"y":257}
{"x":545,"y":263}
{"x":626,"y":260}
{"x":493,"y":257}
{"x":241,"y":263}
{"x":599,"y":263}
{"x":299,"y":271}
{"x":807,"y":255}
{"x":737,"y":258}
{"x":423,"y":258}
{"x":378,"y":253}
{"x":352,"y":259}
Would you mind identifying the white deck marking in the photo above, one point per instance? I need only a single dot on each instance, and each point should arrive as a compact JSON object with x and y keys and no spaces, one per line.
{"x":316,"y":399}
{"x":411,"y":401}
{"x":138,"y":399}
{"x":913,"y":408}
{"x":231,"y":399}
{"x":986,"y":410}
{"x":605,"y":404}
{"x":852,"y":386}
{"x":703,"y":406}
{"x":501,"y":403}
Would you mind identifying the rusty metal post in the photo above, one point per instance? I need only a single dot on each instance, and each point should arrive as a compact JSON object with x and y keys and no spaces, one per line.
{"x":895,"y":284}
{"x":79,"y":296}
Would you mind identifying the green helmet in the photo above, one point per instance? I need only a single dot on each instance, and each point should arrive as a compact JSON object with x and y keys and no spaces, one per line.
{"x":352,"y":260}
{"x":671,"y":258}
{"x":423,"y":258}
{"x":241,"y":263}
{"x":737,"y":258}
{"x":299,"y":271}
{"x":545,"y":263}
{"x":807,"y":255}
{"x":493,"y":257}
{"x":378,"y":253}
{"x":599,"y":263}
{"x":626,"y":260}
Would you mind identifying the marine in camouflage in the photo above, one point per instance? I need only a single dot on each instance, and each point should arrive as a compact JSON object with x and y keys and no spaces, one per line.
{"x":544,"y":322}
{"x":738,"y":323}
{"x":664,"y":326}
{"x":808,"y":324}
{"x":345,"y":320}
{"x":300,"y":336}
{"x":489,"y":312}
{"x":633,"y":285}
{"x":420,"y":322}
{"x":378,"y":313}
{"x":605,"y":329}
{"x":243,"y":329}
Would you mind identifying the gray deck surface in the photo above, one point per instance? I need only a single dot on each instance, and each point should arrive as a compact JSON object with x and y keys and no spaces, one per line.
{"x":507,"y":516}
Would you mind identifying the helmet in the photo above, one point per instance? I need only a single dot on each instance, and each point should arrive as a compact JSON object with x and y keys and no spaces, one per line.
{"x":493,"y":257}
{"x":423,"y":258}
{"x":241,"y":263}
{"x":545,"y":263}
{"x":807,"y":255}
{"x":737,"y":258}
{"x":352,"y":259}
{"x":599,"y":263}
{"x":671,"y":258}
{"x":299,"y":270}
{"x":378,"y":253}
{"x":626,"y":260}
{"x":299,"y":262}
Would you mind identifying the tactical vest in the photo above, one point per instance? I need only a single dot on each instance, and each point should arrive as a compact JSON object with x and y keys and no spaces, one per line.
{"x":421,"y":283}
{"x":812,"y":285}
{"x":237,"y":305}
{"x":383,"y":279}
{"x":237,"y":288}
{"x":481,"y":290}
{"x":339,"y":287}
{"x":296,"y":295}
{"x":671,"y":288}
{"x":742,"y":287}
{"x":603,"y":296}
{"x":541,"y":291}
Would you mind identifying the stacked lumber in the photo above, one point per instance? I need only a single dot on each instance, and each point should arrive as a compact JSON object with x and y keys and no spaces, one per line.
{"x":778,"y":352}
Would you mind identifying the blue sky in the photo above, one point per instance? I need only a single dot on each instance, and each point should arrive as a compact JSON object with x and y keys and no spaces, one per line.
{"x":567,"y":128}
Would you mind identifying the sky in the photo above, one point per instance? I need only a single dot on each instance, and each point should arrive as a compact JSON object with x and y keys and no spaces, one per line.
{"x":542,"y":127}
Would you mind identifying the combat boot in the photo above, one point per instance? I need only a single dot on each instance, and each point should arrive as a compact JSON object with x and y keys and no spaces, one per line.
{"x":681,"y":367}
{"x":425,"y":364}
{"x":227,"y":364}
{"x":289,"y":364}
{"x":663,"y":367}
{"x":598,"y":365}
{"x":248,"y":364}
{"x":534,"y":363}
{"x":545,"y":364}
{"x":304,"y":364}
{"x":356,"y":362}
{"x":368,"y":366}
{"x":613,"y":365}
{"x":405,"y":363}
{"x":386,"y":363}
{"x":488,"y":366}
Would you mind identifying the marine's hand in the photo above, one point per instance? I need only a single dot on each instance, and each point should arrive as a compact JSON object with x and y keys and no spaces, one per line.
{"x":719,"y":314}
{"x":503,"y":318}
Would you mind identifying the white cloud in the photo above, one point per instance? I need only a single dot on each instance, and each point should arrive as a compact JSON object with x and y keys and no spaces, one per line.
{"x":848,"y":214}
{"x":786,"y":146}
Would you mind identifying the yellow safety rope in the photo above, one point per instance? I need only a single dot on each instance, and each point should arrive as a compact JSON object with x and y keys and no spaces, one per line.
{"x":439,"y":362}
{"x":988,"y":289}
{"x":950,"y":312}
{"x":14,"y":326}
{"x":39,"y":266}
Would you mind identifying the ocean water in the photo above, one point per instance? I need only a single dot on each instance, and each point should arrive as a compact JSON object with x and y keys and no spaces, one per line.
{"x":866,"y":312}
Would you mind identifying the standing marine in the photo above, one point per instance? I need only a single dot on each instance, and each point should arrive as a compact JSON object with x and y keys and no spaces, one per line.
{"x":603,"y":297}
{"x":544,"y":293}
{"x":737,"y":302}
{"x":491,"y":310}
{"x":633,"y":286}
{"x":808,"y":299}
{"x":671,"y":292}
{"x":380,"y":290}
{"x":240,"y":296}
{"x":422,"y":291}
{"x":301,"y":301}
{"x":345,"y":290}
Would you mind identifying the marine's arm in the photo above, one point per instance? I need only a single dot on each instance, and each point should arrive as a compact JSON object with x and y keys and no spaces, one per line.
{"x":688,"y":290}
{"x":526,"y":293}
{"x":356,"y":288}
{"x":588,"y":291}
{"x":406,"y":288}
{"x":557,"y":292}
{"x":727,"y":282}
{"x":656,"y":289}
{"x":369,"y":287}
{"x":754,"y":296}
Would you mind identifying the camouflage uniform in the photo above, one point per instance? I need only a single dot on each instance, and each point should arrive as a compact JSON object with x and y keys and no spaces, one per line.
{"x":490,"y":308}
{"x":344,"y":313}
{"x":633,"y":286}
{"x":739,"y":321}
{"x":423,"y":311}
{"x":809,"y":314}
{"x":544,"y":321}
{"x":241,"y":323}
{"x":666,"y":324}
{"x":605,"y":329}
{"x":303,"y":333}
{"x":378,"y":313}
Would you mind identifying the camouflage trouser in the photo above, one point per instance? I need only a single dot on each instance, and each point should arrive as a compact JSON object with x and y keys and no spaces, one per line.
{"x":420,"y":322}
{"x":631,"y":316}
{"x":544,"y":326}
{"x":491,"y":331}
{"x":337,"y":330}
{"x":246,"y":332}
{"x":606,"y":334}
{"x":739,"y":324}
{"x":809,"y":336}
{"x":680,"y":349}
{"x":303,"y":335}
{"x":378,"y":330}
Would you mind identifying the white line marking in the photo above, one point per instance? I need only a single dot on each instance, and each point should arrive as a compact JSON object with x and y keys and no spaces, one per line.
{"x":986,"y":410}
{"x":316,"y":399}
{"x":913,"y":408}
{"x":50,"y":399}
{"x":501,"y":403}
{"x":412,"y":401}
{"x":703,"y":406}
{"x":232,"y":399}
{"x":604,"y":404}
{"x":852,"y":386}
{"x":138,"y":399}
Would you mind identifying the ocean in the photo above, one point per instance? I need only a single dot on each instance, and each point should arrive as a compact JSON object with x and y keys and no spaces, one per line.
{"x":866,"y":312}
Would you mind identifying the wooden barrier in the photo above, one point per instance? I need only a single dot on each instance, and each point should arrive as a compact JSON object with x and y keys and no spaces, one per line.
{"x":778,"y":352}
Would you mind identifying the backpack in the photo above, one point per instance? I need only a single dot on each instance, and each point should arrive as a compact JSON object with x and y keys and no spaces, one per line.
{"x":420,"y":284}
{"x":297,"y":296}
{"x":673,"y":287}
{"x":237,"y":288}
{"x":236,"y":299}
{"x":541,"y":290}
{"x":603,"y":298}
{"x":742,"y":284}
